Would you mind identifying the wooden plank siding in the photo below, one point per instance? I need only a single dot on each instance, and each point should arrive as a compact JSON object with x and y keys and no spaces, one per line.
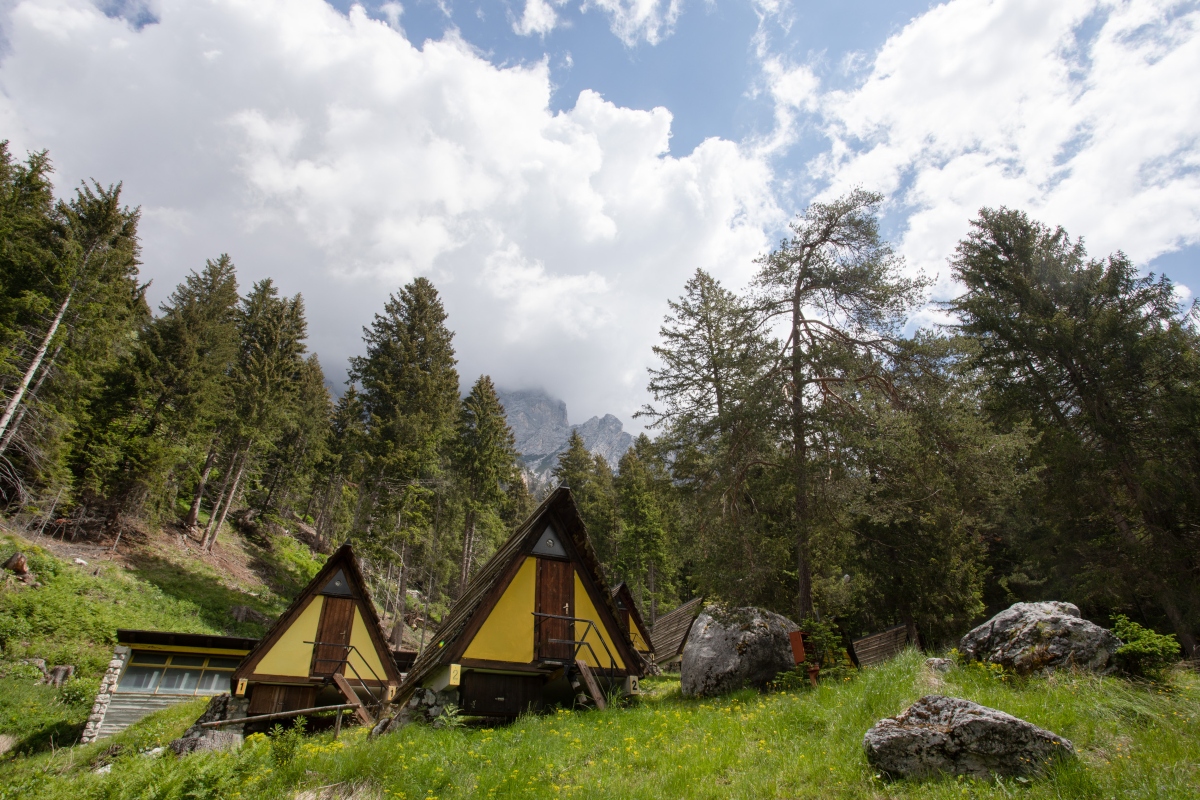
{"x":879,"y":647}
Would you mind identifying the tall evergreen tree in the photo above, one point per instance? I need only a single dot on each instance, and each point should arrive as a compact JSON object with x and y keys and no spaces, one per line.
{"x":591,"y":481}
{"x":409,"y":391}
{"x":838,"y":285}
{"x":1106,"y":365}
{"x":270,"y":359}
{"x":485,"y":463}
{"x":644,"y":561}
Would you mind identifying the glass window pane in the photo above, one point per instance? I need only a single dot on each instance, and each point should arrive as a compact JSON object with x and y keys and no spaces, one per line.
{"x":213,"y":683}
{"x":179,"y":681}
{"x":149,"y":658}
{"x":139,"y":679}
{"x":223,"y":663}
{"x":187,"y":661}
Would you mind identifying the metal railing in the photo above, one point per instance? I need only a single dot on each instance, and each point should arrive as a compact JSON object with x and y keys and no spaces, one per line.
{"x":579,"y":644}
{"x":376,"y":702}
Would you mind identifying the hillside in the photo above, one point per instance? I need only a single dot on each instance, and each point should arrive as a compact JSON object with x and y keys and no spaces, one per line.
{"x":156,"y":580}
{"x":1135,"y":741}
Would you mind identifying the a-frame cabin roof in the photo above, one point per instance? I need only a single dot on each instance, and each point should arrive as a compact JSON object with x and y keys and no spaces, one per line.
{"x":467,"y":614}
{"x":340,"y":576}
{"x":623,"y":598}
{"x":671,"y":630}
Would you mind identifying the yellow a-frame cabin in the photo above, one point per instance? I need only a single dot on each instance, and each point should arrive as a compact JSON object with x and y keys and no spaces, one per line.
{"x":327,"y":648}
{"x":631,"y":621}
{"x":537,"y":617}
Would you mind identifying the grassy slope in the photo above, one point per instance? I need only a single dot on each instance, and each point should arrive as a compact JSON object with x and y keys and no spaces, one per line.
{"x":73,"y":618}
{"x":1135,"y":741}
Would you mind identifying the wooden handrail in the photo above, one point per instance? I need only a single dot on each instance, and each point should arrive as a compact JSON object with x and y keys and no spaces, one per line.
{"x":277,"y":715}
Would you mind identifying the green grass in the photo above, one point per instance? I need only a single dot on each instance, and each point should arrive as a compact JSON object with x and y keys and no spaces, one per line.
{"x":1135,"y":741}
{"x":74,"y":616}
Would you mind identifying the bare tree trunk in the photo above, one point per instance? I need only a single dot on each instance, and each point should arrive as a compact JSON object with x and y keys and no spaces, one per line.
{"x":193,"y":515}
{"x":653,"y":596}
{"x":468,"y":553}
{"x":19,"y":394}
{"x":216,"y":509}
{"x":401,"y":600}
{"x":15,"y":425}
{"x":804,"y":602}
{"x":229,"y":500}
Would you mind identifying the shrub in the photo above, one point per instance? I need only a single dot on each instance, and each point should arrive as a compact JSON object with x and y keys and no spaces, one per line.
{"x":1144,"y":652}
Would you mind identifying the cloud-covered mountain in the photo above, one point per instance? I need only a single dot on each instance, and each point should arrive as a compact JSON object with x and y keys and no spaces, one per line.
{"x":539,"y":423}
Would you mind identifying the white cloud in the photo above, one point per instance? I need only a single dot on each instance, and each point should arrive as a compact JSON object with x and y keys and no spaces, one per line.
{"x":538,"y":18}
{"x":632,"y":21}
{"x":640,"y":20}
{"x":1082,"y":112}
{"x":327,"y":151}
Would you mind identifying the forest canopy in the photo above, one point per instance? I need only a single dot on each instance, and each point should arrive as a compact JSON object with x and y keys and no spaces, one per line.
{"x":808,"y":451}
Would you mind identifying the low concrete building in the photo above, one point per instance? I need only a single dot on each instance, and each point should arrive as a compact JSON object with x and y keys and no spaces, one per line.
{"x":151,"y":670}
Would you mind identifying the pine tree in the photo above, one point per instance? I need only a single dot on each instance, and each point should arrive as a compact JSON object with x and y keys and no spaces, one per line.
{"x":271,"y":346}
{"x":409,"y":393}
{"x":1104,"y":363}
{"x":644,"y":544}
{"x":838,"y":285}
{"x":485,"y":463}
{"x":591,"y":481}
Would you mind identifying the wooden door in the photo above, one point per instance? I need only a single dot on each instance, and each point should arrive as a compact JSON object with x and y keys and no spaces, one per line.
{"x":333,"y":632}
{"x":488,"y":695}
{"x":270,"y":699}
{"x":555,"y":595}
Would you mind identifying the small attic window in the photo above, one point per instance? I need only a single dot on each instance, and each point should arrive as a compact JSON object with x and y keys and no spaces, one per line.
{"x":338,"y":586}
{"x":549,"y":544}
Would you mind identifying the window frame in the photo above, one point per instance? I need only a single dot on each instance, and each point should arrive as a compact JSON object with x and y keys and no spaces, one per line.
{"x":202,"y":671}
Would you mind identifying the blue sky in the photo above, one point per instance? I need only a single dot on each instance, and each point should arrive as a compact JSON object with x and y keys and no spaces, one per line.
{"x":559,"y":168}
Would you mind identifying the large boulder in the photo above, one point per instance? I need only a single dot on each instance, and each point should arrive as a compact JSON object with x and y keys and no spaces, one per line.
{"x":199,"y":739}
{"x":949,"y":735}
{"x":1032,"y":637}
{"x":729,"y":648}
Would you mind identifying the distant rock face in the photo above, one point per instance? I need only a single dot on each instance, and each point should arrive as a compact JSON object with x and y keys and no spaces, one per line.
{"x":538,"y":422}
{"x":540,"y":427}
{"x":1031,"y":637}
{"x":950,"y":735}
{"x":729,"y":648}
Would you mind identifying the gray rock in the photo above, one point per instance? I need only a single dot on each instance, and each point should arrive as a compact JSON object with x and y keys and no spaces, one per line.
{"x":198,"y":739}
{"x":425,"y":705}
{"x":729,"y":648}
{"x":248,"y":614}
{"x":949,"y":735}
{"x":1033,"y":637}
{"x":939,"y":664}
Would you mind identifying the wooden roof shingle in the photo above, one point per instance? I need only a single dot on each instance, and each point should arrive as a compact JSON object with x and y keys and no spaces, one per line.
{"x":671,"y":630}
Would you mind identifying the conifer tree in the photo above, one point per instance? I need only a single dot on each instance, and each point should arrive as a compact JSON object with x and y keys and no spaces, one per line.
{"x":839,"y":287}
{"x":1103,"y":362}
{"x":484,"y":464}
{"x":409,"y":391}
{"x":271,"y":346}
{"x":591,"y":481}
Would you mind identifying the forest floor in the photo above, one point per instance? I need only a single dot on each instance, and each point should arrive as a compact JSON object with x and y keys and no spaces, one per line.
{"x":1135,"y":740}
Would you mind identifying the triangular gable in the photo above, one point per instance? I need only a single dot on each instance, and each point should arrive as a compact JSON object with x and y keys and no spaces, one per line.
{"x":623,"y":598}
{"x":470,"y":612}
{"x":549,"y":543}
{"x":297,"y":625}
{"x":338,"y":586}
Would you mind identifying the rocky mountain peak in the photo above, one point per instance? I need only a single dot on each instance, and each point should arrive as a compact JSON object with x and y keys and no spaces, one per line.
{"x":540,"y":425}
